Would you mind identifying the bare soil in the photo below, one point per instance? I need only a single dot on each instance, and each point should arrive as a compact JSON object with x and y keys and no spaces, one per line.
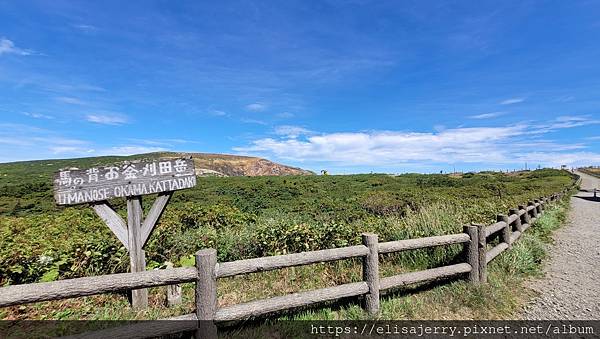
{"x":570,"y":288}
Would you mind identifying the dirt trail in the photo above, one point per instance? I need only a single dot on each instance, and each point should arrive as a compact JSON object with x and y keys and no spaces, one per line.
{"x":570,"y":288}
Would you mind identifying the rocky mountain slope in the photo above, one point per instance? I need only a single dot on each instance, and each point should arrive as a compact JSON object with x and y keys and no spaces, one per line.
{"x":234,"y":165}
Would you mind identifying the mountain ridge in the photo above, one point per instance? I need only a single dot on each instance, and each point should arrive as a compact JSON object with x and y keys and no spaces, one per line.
{"x":206,"y":164}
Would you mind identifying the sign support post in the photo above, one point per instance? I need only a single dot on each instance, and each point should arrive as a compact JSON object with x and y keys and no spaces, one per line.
{"x":131,"y":181}
{"x":137,"y":257}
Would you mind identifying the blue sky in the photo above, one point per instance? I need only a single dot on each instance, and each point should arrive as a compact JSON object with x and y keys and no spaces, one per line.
{"x":348,"y":86}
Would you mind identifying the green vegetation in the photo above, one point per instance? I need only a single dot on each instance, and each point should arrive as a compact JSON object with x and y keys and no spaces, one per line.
{"x":244,"y":217}
{"x":499,"y":299}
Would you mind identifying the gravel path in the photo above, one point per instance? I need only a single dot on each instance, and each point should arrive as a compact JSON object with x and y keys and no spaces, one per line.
{"x":570,"y":288}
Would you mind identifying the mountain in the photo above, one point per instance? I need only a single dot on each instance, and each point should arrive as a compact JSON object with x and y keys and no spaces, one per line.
{"x":236,"y":165}
{"x":27,"y":186}
{"x":207,"y":164}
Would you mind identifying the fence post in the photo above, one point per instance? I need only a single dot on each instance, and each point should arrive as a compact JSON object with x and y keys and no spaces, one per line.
{"x":482,"y":249}
{"x":472,"y":251}
{"x":518,"y":224}
{"x":538,"y":209}
{"x":506,"y":230}
{"x":534,"y":210}
{"x":206,"y":293}
{"x":525,"y":215}
{"x":371,"y":272}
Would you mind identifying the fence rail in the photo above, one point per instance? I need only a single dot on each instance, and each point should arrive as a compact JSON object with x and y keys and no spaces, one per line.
{"x":474,"y":238}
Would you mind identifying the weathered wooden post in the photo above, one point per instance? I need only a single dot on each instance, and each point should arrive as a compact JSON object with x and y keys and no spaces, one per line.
{"x":505,"y":236}
{"x":130,"y":180}
{"x":518,"y":225}
{"x":525,"y":216}
{"x":472,"y":252}
{"x":538,"y":208}
{"x":371,"y":272}
{"x":137,"y":258}
{"x":534,"y":210}
{"x":482,"y":251}
{"x":206,"y":293}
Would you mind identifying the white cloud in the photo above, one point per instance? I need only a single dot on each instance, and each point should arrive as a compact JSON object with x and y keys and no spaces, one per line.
{"x":8,"y":47}
{"x":129,"y":150}
{"x":253,"y":121}
{"x":13,"y":141}
{"x":70,"y":100}
{"x":72,"y":150}
{"x":390,"y":147}
{"x":512,"y":101}
{"x":86,"y":28}
{"x":561,"y":158}
{"x":291,"y":131}
{"x":107,"y":119}
{"x":37,"y":115}
{"x":487,"y":115}
{"x":25,"y":142}
{"x":217,"y":113}
{"x":514,"y":144}
{"x":160,"y":142}
{"x":256,"y":107}
{"x":567,"y":121}
{"x":285,"y":115}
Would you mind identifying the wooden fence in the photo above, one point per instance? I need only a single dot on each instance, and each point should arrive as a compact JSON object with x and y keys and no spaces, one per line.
{"x":478,"y":254}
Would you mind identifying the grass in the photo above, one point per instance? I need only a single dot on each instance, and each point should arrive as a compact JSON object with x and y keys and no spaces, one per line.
{"x":253,"y":217}
{"x":501,"y":298}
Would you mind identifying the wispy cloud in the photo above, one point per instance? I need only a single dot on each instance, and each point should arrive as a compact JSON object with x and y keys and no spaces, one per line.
{"x":86,"y":28}
{"x":217,"y":113}
{"x":562,"y":122}
{"x":291,"y":131}
{"x":129,"y":150}
{"x":487,"y":115}
{"x":256,"y":107}
{"x":71,"y":150}
{"x":107,"y":119}
{"x":483,"y":145}
{"x":160,"y":142}
{"x":8,"y":47}
{"x":70,"y":100}
{"x":285,"y":115}
{"x":391,"y":147}
{"x":253,"y":121}
{"x":23,"y":142}
{"x":512,"y":101}
{"x":26,"y":142}
{"x":565,"y":98}
{"x":37,"y":115}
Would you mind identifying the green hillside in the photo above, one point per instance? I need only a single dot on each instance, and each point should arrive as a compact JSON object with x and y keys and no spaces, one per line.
{"x":26,"y":186}
{"x":247,"y":217}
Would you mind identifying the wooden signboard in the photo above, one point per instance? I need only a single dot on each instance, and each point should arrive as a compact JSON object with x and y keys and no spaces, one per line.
{"x":130,"y":180}
{"x":127,"y":180}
